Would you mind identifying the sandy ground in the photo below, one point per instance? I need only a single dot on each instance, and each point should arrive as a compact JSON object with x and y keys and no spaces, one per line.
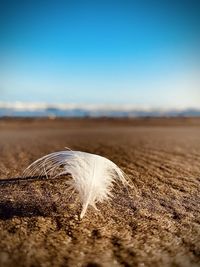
{"x":158,"y":225}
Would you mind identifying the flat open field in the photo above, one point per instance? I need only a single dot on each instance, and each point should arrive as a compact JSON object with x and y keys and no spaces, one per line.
{"x":157,"y":224}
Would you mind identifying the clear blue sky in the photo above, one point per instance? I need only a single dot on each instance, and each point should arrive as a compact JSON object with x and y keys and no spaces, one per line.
{"x":104,"y":52}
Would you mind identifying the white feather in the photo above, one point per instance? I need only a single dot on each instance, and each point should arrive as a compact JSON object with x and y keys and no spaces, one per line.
{"x":93,"y":176}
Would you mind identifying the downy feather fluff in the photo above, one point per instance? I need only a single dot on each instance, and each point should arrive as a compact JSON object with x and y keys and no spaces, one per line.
{"x":93,"y":176}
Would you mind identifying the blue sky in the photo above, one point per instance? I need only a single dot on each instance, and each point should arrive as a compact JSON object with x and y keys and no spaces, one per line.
{"x":101,"y":52}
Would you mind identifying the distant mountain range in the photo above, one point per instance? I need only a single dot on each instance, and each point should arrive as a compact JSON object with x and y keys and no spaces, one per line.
{"x":19,"y":109}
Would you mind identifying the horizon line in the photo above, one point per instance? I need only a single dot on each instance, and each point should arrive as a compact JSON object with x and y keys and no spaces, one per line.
{"x":36,"y":106}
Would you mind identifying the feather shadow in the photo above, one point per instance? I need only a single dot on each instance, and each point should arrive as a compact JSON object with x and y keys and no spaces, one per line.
{"x":9,"y":209}
{"x":21,"y":197}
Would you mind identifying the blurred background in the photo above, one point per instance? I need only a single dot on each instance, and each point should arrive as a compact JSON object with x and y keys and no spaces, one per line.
{"x":99,"y":58}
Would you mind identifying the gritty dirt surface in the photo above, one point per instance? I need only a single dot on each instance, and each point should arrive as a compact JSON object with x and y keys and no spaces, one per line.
{"x":158,"y":224}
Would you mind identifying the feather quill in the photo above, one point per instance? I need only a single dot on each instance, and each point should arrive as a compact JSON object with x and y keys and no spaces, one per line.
{"x":93,"y":176}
